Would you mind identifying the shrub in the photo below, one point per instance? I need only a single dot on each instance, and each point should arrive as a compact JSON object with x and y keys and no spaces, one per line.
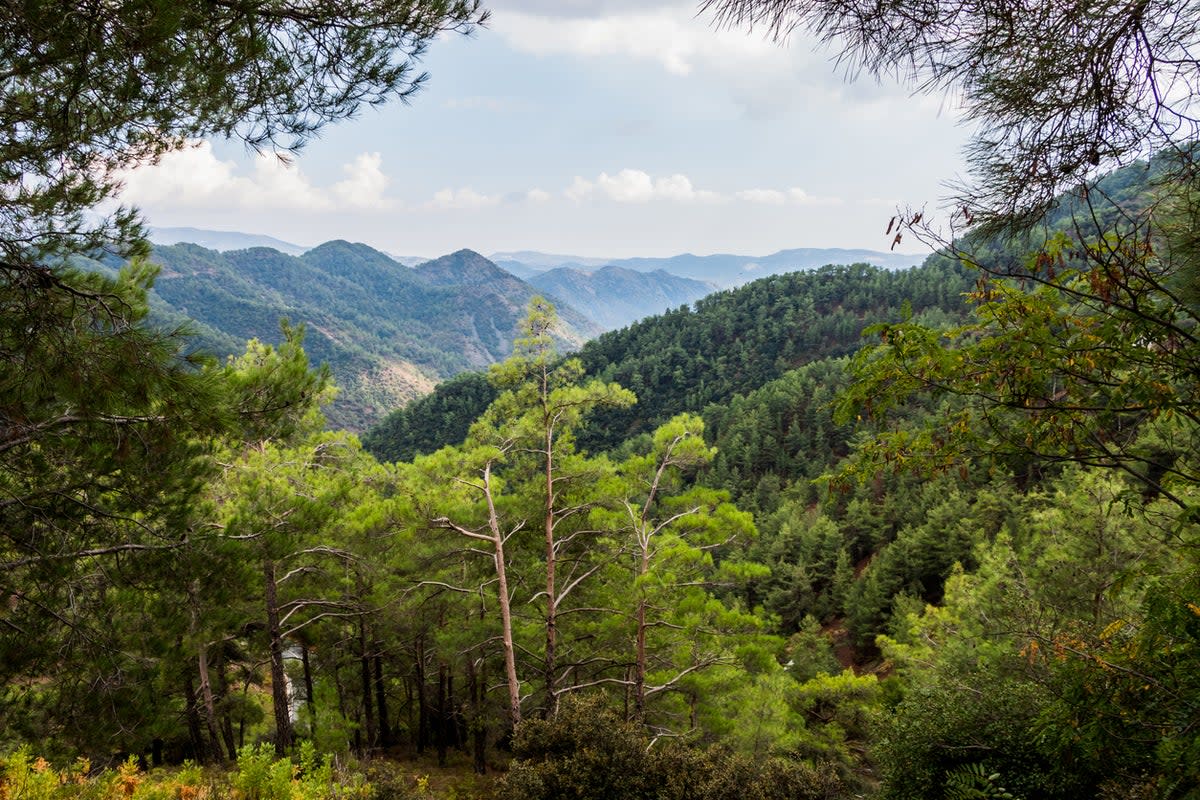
{"x":588,"y":752}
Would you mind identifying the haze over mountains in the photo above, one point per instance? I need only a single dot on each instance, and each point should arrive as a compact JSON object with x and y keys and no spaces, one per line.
{"x":615,"y":296}
{"x":222,"y":240}
{"x":723,"y":270}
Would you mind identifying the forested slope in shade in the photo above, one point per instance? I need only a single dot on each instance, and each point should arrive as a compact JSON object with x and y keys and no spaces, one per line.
{"x":388,"y":332}
{"x":731,"y":342}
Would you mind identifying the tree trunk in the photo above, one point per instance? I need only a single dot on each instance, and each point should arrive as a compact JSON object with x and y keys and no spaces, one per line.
{"x":476,"y":724}
{"x":210,"y":706}
{"x":368,"y":706}
{"x":440,"y":729}
{"x":639,"y":675}
{"x":226,"y":721}
{"x":422,"y":703}
{"x":343,"y":704}
{"x":496,"y":537}
{"x":385,"y":729}
{"x":408,"y":709}
{"x":279,"y":693}
{"x":551,"y":558}
{"x":639,"y":669}
{"x":309,"y":695}
{"x":242,"y":718}
{"x":193,"y":719}
{"x":510,"y":657}
{"x":206,"y":693}
{"x":457,"y":717}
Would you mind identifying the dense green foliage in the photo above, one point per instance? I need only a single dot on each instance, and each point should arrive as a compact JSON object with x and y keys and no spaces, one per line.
{"x":737,"y":341}
{"x":508,"y":580}
{"x":110,"y":477}
{"x":588,"y":751}
{"x":430,"y":422}
{"x":781,"y":433}
{"x":258,"y":775}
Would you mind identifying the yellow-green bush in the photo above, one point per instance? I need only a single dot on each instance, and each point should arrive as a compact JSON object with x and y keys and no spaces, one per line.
{"x":257,"y":776}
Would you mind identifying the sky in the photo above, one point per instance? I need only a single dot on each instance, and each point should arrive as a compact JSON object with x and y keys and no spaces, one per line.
{"x":601,"y":128}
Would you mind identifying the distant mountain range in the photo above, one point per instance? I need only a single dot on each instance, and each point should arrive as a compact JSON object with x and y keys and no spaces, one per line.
{"x":533,"y":261}
{"x":222,"y":241}
{"x":388,"y":332}
{"x":392,"y":327}
{"x":614,"y":296}
{"x":722,"y":270}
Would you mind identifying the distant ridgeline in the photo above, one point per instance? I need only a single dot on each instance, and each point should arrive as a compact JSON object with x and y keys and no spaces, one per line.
{"x":615,"y":296}
{"x":685,"y":360}
{"x":388,"y":332}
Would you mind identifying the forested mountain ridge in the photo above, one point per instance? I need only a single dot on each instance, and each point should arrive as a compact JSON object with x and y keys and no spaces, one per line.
{"x":389,"y":332}
{"x":733,"y":341}
{"x":723,"y":269}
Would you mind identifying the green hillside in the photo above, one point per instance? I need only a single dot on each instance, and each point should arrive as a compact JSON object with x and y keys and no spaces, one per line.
{"x":388,"y":332}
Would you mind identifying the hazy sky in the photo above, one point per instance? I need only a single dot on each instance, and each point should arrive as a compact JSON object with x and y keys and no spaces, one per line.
{"x":592,"y":127}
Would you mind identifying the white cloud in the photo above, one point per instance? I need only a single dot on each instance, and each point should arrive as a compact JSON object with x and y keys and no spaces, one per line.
{"x":579,"y":189}
{"x":638,"y":186}
{"x":365,"y":183}
{"x":627,"y":186}
{"x":671,"y":35}
{"x":763,"y":76}
{"x":192,"y":174}
{"x":803,"y":198}
{"x":278,"y":184}
{"x":679,"y":187}
{"x":537,"y":196}
{"x":461,"y":199}
{"x":772,"y":197}
{"x":194,"y":178}
{"x":793,"y":196}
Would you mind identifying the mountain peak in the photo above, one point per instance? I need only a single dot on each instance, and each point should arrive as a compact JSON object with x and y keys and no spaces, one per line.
{"x":464,"y":268}
{"x":342,"y":246}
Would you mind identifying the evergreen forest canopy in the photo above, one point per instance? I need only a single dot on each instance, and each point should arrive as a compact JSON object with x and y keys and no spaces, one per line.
{"x":714,"y":555}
